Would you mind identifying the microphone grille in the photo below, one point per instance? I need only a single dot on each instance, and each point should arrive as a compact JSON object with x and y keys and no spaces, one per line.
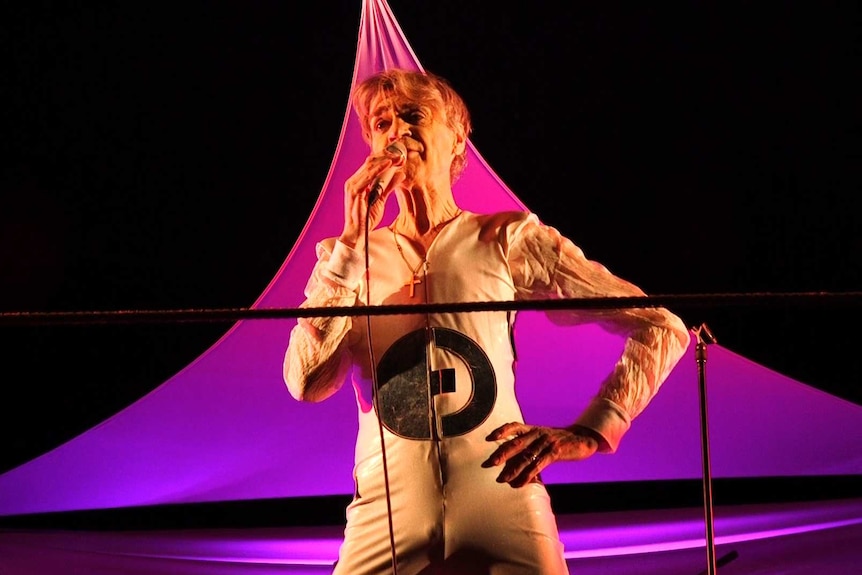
{"x":398,"y":148}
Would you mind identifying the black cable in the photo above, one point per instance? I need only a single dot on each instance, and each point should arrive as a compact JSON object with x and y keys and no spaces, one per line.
{"x":376,"y":400}
{"x":843,"y":300}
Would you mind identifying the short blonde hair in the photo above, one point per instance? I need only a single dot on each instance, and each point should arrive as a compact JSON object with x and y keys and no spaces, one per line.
{"x":423,"y":87}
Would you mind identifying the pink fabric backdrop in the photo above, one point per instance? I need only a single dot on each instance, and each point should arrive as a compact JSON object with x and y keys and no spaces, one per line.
{"x":225,"y":428}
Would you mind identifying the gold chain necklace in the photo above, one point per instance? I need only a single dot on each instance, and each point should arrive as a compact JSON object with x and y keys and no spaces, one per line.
{"x":414,"y":272}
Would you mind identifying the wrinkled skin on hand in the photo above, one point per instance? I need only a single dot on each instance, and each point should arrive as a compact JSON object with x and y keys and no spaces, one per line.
{"x":377,"y":169}
{"x":527,"y":449}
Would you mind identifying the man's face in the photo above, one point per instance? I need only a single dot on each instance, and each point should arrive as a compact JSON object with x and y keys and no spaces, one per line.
{"x":431,"y":144}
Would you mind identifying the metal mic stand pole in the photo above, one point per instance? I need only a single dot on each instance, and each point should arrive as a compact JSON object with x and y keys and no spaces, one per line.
{"x":704,"y":336}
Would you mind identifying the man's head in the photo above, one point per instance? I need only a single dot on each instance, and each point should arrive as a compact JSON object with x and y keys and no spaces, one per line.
{"x":422,"y":91}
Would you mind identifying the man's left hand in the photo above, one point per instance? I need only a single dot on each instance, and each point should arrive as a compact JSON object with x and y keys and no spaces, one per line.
{"x":527,"y":449}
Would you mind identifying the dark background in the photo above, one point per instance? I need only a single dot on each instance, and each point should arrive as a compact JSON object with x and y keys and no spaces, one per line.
{"x":167,"y":156}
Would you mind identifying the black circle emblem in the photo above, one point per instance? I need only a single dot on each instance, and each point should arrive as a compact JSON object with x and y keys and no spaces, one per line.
{"x":406,"y":388}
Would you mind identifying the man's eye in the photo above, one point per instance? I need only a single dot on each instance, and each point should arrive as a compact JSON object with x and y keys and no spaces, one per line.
{"x":381,"y":125}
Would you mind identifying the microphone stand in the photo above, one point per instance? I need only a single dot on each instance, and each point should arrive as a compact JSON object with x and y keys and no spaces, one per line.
{"x":704,"y":337}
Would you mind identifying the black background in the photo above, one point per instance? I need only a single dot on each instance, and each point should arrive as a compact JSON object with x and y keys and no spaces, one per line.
{"x":166,"y":157}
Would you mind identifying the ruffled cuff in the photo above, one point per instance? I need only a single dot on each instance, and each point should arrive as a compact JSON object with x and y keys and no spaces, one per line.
{"x":345,"y":266}
{"x":608,"y":420}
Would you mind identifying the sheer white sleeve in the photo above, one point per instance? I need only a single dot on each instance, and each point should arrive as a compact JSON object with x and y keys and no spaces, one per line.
{"x":317,"y":360}
{"x":546,"y":265}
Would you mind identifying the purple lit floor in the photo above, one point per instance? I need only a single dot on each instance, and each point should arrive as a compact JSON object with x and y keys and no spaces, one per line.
{"x":775,"y":539}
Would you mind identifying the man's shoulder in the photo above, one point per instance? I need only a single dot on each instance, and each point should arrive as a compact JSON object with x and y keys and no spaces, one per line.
{"x":502,"y":219}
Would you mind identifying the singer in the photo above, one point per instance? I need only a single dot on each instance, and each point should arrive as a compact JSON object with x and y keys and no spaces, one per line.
{"x":447,"y":473}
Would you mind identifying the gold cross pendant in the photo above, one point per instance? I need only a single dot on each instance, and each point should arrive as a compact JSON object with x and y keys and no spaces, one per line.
{"x":411,"y":283}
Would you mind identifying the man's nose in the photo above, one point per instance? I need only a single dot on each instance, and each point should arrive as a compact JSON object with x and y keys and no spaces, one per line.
{"x":398,"y":130}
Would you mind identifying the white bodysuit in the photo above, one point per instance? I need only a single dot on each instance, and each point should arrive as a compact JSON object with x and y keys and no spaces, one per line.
{"x":445,"y":381}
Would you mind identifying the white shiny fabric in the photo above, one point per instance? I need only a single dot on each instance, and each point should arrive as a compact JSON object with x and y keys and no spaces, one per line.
{"x":446,"y":381}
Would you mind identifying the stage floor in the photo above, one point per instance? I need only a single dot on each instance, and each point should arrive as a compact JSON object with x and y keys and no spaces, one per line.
{"x":820,"y":538}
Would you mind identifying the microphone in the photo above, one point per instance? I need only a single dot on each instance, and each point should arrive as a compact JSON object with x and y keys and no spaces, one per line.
{"x":379,"y":182}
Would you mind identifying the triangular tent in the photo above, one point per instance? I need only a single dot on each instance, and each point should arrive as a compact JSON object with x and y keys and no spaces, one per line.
{"x":225,"y":428}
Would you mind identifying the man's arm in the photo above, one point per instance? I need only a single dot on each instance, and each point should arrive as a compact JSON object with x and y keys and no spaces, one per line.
{"x":317,"y":360}
{"x":548,"y":265}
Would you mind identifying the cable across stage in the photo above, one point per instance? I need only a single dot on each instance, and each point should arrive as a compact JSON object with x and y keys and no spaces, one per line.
{"x":842,"y":300}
